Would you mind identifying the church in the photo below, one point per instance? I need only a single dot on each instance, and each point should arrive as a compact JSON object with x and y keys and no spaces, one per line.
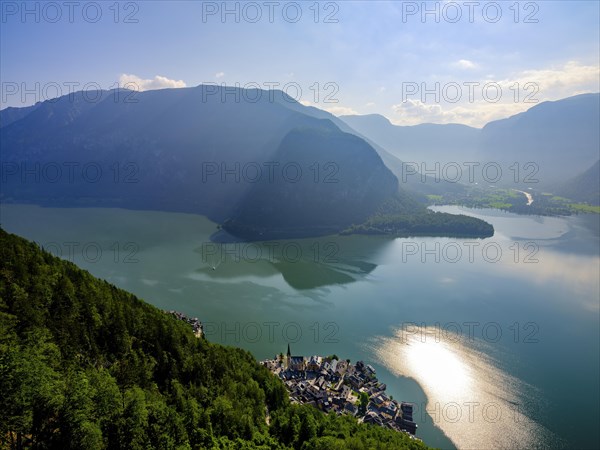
{"x":295,"y":363}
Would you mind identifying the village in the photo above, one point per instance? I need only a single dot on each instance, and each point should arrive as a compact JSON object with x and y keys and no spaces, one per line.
{"x":335,"y":385}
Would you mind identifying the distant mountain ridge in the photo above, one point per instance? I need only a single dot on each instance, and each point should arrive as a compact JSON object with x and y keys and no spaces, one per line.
{"x":561,"y":137}
{"x":257,"y":161}
{"x":417,"y":184}
{"x":436,"y":142}
{"x":585,"y":187}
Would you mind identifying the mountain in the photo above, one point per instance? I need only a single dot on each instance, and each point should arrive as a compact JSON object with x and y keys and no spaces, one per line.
{"x":423,"y":144}
{"x":189,"y":150}
{"x":585,"y":187}
{"x":257,"y":161}
{"x":328,"y":187}
{"x":85,"y":365}
{"x":561,"y":139}
{"x":11,"y":114}
{"x":408,"y":174}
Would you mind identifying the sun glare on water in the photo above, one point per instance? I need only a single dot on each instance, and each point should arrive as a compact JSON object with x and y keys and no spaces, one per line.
{"x":476,"y":404}
{"x":440,"y":367}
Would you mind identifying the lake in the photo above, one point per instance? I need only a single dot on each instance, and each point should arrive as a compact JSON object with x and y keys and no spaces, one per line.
{"x":496,"y":341}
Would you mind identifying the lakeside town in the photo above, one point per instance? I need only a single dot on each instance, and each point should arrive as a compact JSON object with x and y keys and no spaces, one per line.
{"x":331,"y":384}
{"x":335,"y":385}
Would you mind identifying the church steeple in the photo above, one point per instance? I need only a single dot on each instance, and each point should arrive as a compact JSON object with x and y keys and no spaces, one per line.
{"x":288,"y":358}
{"x":289,"y":353}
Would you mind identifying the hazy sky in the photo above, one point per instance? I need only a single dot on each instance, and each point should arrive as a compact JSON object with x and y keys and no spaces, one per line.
{"x":372,"y":57}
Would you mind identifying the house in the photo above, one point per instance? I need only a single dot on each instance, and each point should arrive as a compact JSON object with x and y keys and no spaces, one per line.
{"x":314,"y":364}
{"x":297,"y":363}
{"x":333,"y":365}
{"x":372,"y":417}
{"x":408,"y":425}
{"x":407,"y":410}
{"x":314,"y":390}
{"x":349,"y":408}
{"x":346,"y":391}
{"x":339,"y":401}
{"x":378,"y":400}
{"x":354,"y":381}
{"x":321,"y":382}
{"x":372,"y":391}
{"x":344,"y":368}
{"x":391,"y":409}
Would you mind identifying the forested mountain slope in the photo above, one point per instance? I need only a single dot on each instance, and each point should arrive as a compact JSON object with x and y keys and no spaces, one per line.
{"x":85,"y":365}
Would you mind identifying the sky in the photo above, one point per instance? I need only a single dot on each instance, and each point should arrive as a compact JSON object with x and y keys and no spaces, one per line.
{"x":413,"y":62}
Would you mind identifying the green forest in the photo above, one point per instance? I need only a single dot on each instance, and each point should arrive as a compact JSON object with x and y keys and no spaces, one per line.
{"x":85,"y":365}
{"x":393,"y":218}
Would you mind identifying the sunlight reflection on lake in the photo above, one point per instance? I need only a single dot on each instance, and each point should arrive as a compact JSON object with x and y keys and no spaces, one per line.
{"x":473,"y":401}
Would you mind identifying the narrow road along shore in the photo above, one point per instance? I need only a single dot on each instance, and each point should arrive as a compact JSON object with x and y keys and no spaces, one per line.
{"x":528,"y":195}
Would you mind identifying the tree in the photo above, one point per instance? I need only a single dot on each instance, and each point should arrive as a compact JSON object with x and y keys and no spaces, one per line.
{"x":363,"y":399}
{"x":79,"y":427}
{"x":134,"y":423}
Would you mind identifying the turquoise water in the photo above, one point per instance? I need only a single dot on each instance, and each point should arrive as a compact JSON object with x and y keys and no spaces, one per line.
{"x":498,"y":339}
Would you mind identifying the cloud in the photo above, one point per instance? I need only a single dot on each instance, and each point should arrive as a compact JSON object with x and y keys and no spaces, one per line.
{"x":340,"y":110}
{"x":335,"y":110}
{"x":518,"y":92}
{"x":562,"y":81}
{"x":465,"y":64}
{"x":134,"y":82}
{"x":219,"y":74}
{"x":414,"y":112}
{"x":417,"y":109}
